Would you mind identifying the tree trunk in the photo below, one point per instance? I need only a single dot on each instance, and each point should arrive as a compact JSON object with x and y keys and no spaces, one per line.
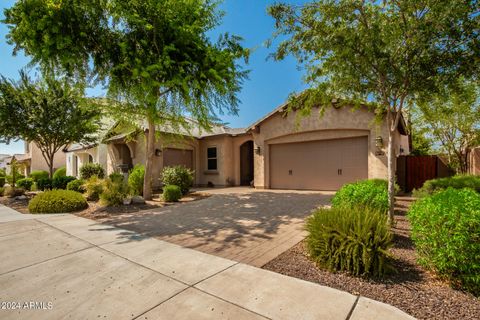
{"x":391,"y":174}
{"x":147,"y":181}
{"x":50,"y":166}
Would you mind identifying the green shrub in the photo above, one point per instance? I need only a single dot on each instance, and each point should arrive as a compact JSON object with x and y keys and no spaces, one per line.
{"x":116,"y":177}
{"x":89,"y":170}
{"x":38,"y":174}
{"x":12,"y":192}
{"x":18,"y":176}
{"x":57,"y":201}
{"x":76,"y":185}
{"x":2,"y":190}
{"x":178,"y":176}
{"x":171,"y":193}
{"x":25,"y":183}
{"x":60,"y":172}
{"x":61,"y":182}
{"x":44,"y":184}
{"x":355,"y":240}
{"x":446,"y":232}
{"x":135,"y":180}
{"x":2,"y":181}
{"x":114,"y":193}
{"x":94,"y":188}
{"x":456,"y":182}
{"x":367,"y":193}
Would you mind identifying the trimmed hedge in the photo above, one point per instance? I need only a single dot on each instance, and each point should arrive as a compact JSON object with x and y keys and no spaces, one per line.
{"x":61,"y":182}
{"x":60,"y":172}
{"x":171,"y":193}
{"x":446,"y":232}
{"x":351,"y":239}
{"x":456,"y":182}
{"x":76,"y":185}
{"x":135,"y":180}
{"x":178,"y":176}
{"x":89,"y":170}
{"x":367,"y":193}
{"x":25,"y":183}
{"x":57,"y":201}
{"x":38,"y":174}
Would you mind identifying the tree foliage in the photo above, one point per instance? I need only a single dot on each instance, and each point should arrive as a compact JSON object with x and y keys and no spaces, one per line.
{"x":156,"y":55}
{"x":385,"y":52}
{"x":52,"y":113}
{"x":452,"y":118}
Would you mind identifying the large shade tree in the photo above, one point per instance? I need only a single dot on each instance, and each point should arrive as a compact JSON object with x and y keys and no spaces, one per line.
{"x":382,"y":52}
{"x":155,"y":56}
{"x":50,"y":112}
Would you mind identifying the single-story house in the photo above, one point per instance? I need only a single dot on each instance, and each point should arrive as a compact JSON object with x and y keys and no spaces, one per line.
{"x":32,"y":159}
{"x":278,"y":151}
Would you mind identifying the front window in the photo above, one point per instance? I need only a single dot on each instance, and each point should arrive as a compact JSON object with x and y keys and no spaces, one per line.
{"x":212,"y":158}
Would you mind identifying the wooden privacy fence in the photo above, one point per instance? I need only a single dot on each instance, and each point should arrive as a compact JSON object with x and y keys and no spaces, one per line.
{"x":413,"y":171}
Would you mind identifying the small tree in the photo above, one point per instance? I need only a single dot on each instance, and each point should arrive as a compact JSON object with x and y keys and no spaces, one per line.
{"x":156,"y":55}
{"x":386,"y":52}
{"x":453,"y":119}
{"x":52,"y":113}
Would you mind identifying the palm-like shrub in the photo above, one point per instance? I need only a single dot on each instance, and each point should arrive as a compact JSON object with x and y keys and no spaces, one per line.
{"x":178,"y":176}
{"x":114,"y":192}
{"x":446,"y":232}
{"x":57,"y":201}
{"x":351,"y":239}
{"x":89,"y":170}
{"x":171,"y":193}
{"x":366,"y":193}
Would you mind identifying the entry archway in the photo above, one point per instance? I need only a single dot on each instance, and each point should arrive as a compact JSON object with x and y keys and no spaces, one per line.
{"x":246,"y":163}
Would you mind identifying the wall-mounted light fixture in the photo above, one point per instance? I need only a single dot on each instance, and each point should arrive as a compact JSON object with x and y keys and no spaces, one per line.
{"x":158,"y":152}
{"x":257,"y":150}
{"x":379,"y":142}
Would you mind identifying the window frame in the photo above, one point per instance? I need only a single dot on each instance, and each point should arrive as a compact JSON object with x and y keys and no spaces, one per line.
{"x":212,"y":158}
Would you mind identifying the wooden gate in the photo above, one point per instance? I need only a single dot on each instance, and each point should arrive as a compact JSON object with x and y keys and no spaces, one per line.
{"x":413,"y":171}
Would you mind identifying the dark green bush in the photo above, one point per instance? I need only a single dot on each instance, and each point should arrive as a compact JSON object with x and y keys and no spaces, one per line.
{"x":12,"y":192}
{"x":456,"y":182}
{"x":2,"y":190}
{"x":2,"y":181}
{"x":116,"y":177}
{"x":57,"y":201}
{"x":76,"y":185}
{"x":94,"y":188}
{"x":367,"y":193}
{"x":61,"y":182}
{"x":89,"y":170}
{"x":351,"y":239}
{"x":60,"y":172}
{"x":135,"y":180}
{"x":44,"y":184}
{"x":171,"y":193}
{"x":38,"y":174}
{"x":446,"y":232}
{"x":178,"y":176}
{"x":25,"y":183}
{"x":114,"y":192}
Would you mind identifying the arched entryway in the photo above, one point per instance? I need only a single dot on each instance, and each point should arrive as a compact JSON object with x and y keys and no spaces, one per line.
{"x":246,"y":163}
{"x":124,"y":160}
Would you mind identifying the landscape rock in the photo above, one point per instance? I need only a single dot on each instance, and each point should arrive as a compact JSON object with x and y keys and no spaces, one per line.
{"x":138,"y":200}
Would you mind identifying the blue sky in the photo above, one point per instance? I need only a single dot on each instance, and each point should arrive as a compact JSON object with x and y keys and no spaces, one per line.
{"x":269,"y":82}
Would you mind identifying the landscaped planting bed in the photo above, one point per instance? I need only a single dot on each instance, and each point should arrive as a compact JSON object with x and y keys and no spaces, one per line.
{"x":412,"y":289}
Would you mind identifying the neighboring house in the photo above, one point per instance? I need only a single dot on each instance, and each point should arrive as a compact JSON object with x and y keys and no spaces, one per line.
{"x":33,"y":159}
{"x":278,"y":151}
{"x":4,"y":160}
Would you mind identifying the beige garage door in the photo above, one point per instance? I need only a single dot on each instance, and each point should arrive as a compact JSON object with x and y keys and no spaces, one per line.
{"x":175,"y":157}
{"x":318,"y":165}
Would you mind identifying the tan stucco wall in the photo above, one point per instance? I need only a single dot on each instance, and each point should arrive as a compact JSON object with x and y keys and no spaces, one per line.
{"x":37,"y":161}
{"x":334,"y":124}
{"x":474,"y":161}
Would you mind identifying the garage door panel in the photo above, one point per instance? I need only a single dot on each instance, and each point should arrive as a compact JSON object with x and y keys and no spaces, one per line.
{"x":318,"y":165}
{"x":177,"y":157}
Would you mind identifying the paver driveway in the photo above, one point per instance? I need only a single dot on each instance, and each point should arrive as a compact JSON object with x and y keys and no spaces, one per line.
{"x":241,"y":224}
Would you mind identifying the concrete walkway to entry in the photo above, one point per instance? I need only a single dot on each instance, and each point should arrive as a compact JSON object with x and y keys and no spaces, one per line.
{"x":88,"y":270}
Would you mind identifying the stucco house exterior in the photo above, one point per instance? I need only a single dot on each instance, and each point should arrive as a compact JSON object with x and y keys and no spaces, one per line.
{"x":278,"y":151}
{"x":32,"y":159}
{"x":474,"y":161}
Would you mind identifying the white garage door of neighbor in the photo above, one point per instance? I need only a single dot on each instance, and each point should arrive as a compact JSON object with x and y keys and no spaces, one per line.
{"x":177,"y":157}
{"x":318,"y":165}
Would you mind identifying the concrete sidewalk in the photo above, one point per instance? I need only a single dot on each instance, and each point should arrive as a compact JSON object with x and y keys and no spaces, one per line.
{"x":75,"y":268}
